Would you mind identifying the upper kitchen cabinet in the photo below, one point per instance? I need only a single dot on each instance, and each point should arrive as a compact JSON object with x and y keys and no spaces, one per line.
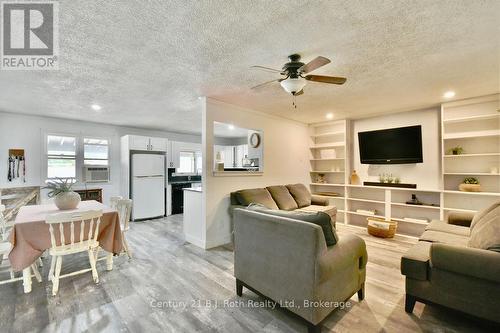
{"x":177,"y":148}
{"x":173,"y":158}
{"x":137,"y":142}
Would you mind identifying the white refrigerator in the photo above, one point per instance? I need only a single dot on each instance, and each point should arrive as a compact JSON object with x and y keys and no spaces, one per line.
{"x":148,"y":185}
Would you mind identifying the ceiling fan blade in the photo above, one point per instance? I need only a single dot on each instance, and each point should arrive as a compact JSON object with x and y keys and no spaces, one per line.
{"x":267,"y":69}
{"x":266,"y":83}
{"x":314,"y":64}
{"x":326,"y":79}
{"x":299,"y":93}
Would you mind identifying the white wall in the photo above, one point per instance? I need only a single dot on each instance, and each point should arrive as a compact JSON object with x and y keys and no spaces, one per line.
{"x":27,"y":132}
{"x":286,"y":160}
{"x":427,"y":174}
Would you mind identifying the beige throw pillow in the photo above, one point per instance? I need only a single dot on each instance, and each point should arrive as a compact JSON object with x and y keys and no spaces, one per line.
{"x":301,"y":194}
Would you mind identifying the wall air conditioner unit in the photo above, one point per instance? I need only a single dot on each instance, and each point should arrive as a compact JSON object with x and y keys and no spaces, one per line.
{"x":96,"y":174}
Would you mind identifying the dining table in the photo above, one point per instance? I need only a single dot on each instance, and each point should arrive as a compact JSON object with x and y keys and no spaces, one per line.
{"x":30,"y":236}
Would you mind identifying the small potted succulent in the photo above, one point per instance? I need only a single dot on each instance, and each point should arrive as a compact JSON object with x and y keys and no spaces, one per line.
{"x":470,"y":184}
{"x":64,"y":197}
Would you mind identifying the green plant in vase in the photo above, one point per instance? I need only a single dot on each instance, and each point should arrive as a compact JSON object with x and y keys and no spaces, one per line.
{"x":470,"y":184}
{"x":61,"y":190}
{"x":456,"y":150}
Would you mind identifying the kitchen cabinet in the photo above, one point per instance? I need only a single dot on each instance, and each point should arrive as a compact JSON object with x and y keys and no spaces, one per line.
{"x":173,"y":154}
{"x":174,"y":151}
{"x":138,"y":142}
{"x":158,"y":144}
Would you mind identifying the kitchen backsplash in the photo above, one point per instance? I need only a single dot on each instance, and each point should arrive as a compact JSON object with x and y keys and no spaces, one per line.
{"x":172,"y":178}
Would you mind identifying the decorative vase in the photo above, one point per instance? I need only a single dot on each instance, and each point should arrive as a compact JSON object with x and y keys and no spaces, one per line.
{"x":355,"y":178}
{"x":67,"y":200}
{"x":469,"y":187}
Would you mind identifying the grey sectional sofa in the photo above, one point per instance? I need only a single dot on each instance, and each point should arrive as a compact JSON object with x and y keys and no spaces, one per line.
{"x":288,"y":261}
{"x":457,"y":264}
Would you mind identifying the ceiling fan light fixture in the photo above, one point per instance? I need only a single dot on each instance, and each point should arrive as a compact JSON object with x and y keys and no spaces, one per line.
{"x":293,"y":85}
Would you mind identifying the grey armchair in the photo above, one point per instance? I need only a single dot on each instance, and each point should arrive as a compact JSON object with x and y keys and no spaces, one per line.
{"x":288,"y":261}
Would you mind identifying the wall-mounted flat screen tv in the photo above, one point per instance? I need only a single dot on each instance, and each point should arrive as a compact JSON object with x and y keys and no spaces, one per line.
{"x":401,"y":145}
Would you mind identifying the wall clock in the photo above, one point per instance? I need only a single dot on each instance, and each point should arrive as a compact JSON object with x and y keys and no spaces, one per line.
{"x":255,"y":140}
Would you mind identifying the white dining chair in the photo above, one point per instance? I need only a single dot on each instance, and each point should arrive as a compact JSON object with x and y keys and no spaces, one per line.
{"x":83,"y":229}
{"x":124,"y":208}
{"x":114,"y":200}
{"x":5,"y":248}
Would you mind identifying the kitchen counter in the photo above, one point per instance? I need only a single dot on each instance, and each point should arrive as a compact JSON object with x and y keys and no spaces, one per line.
{"x":193,"y":189}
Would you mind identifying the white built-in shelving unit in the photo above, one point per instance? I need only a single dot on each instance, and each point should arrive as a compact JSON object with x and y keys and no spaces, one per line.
{"x":328,"y":157}
{"x":473,"y":124}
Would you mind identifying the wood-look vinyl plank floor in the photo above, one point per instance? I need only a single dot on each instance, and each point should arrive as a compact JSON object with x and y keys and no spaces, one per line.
{"x":135,"y":296}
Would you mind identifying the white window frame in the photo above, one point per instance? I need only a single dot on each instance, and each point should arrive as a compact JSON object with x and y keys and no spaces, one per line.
{"x":79,"y":152}
{"x":95,"y":159}
{"x":195,"y":172}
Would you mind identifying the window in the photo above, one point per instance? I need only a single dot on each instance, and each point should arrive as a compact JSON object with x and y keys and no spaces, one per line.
{"x":95,"y":151}
{"x":66,"y":154}
{"x":187,"y":162}
{"x":61,"y":156}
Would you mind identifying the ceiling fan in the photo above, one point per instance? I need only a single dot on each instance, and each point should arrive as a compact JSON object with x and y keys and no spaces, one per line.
{"x":295,"y":78}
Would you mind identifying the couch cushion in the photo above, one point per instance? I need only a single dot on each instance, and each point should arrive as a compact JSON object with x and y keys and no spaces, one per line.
{"x":437,"y":225}
{"x":444,"y":237}
{"x":301,"y":194}
{"x":256,"y":195}
{"x":330,"y":210}
{"x":319,"y":218}
{"x":415,"y":263}
{"x":486,"y":231}
{"x":282,"y":197}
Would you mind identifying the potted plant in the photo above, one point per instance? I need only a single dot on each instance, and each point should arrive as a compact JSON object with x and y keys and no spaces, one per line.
{"x":64,"y":197}
{"x":456,"y":150}
{"x":470,"y":184}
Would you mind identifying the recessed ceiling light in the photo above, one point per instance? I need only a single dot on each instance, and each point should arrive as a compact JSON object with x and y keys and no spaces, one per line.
{"x":231,"y":127}
{"x":329,"y":116}
{"x":96,"y":107}
{"x":449,"y":94}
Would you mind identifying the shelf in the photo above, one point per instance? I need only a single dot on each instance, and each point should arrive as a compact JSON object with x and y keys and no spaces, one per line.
{"x":415,"y":206}
{"x":472,"y":155}
{"x":327,"y":159}
{"x":327,"y":134}
{"x":367,"y":215}
{"x":329,"y":196}
{"x":471,"y":134}
{"x":319,"y":171}
{"x":470,"y":174}
{"x":326,"y":184}
{"x":471,"y":118}
{"x":366,"y":200}
{"x":328,"y":145}
{"x":472,"y":193}
{"x":406,"y":221}
{"x":393,"y":188}
{"x":460,"y":210}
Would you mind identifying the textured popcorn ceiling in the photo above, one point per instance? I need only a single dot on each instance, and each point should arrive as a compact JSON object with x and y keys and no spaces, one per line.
{"x":146,"y":62}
